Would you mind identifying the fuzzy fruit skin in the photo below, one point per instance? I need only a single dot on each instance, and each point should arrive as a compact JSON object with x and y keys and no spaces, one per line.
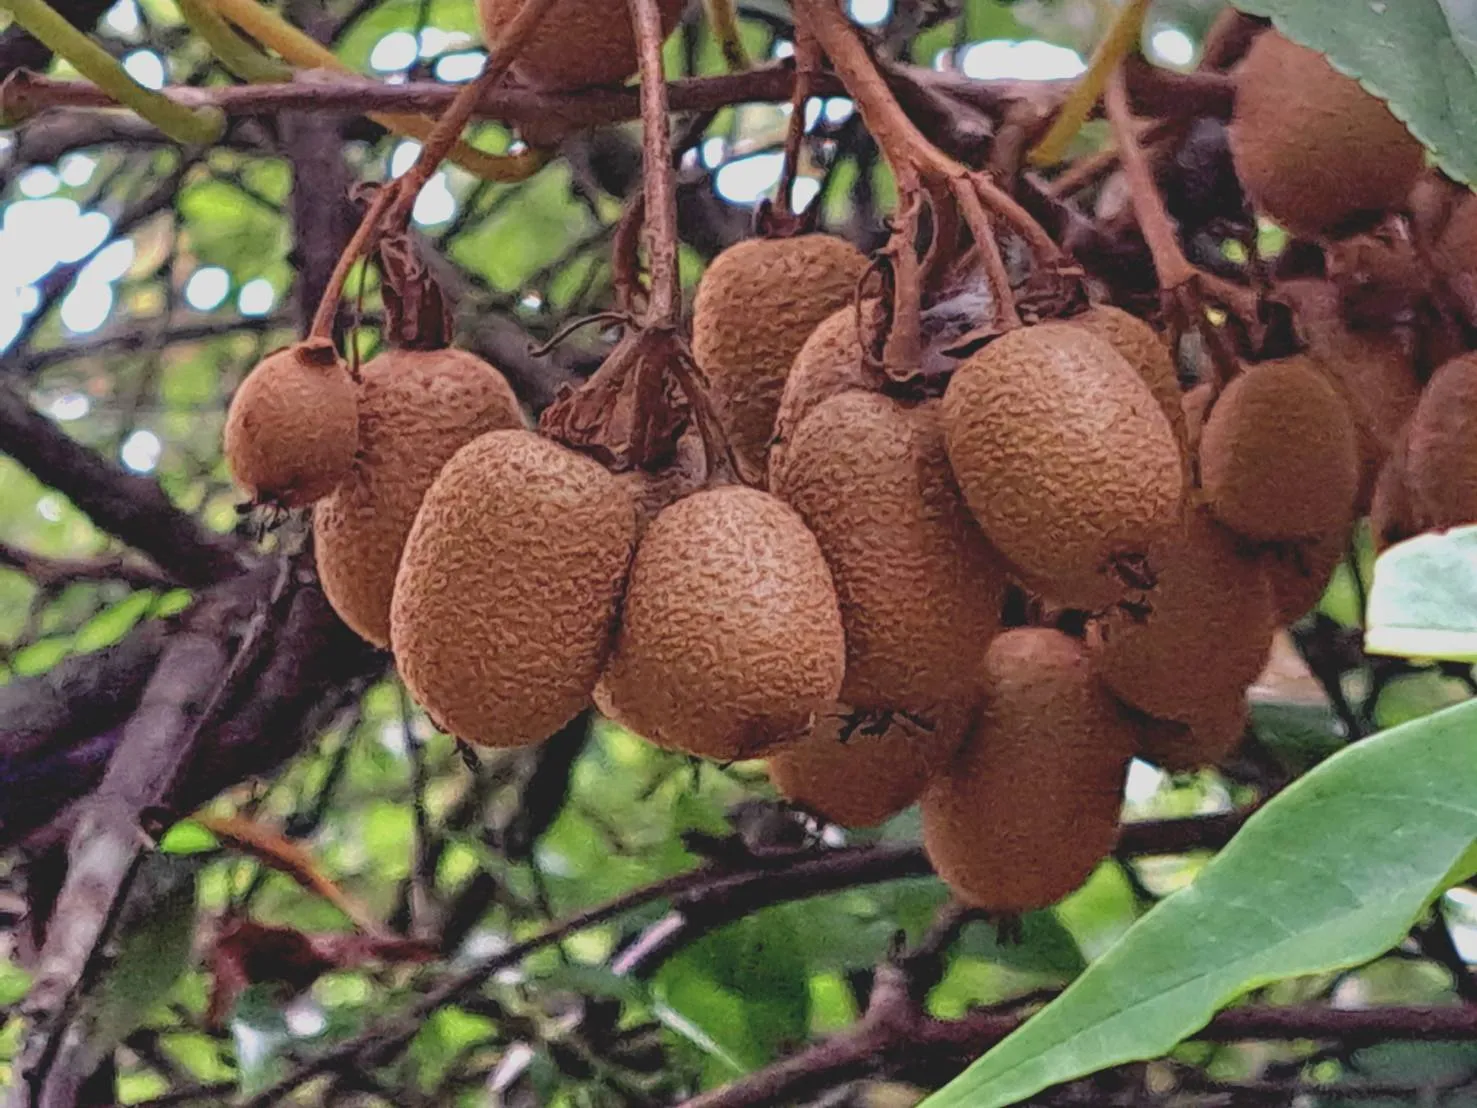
{"x":1279,"y":461}
{"x":653,"y":490}
{"x":1206,"y":637}
{"x":578,"y":42}
{"x":730,"y":638}
{"x":1143,"y":348}
{"x":830,"y":363}
{"x":1454,"y":254}
{"x":1299,"y":574}
{"x":1372,"y":371}
{"x":1441,"y":466}
{"x":1313,"y":149}
{"x":1030,"y":804}
{"x":755,"y":307}
{"x":1183,"y":748}
{"x":1195,"y":404}
{"x":867,"y":778}
{"x":508,"y":591}
{"x":1392,"y":516}
{"x":416,"y":409}
{"x":293,"y":426}
{"x":1064,"y":457}
{"x":919,"y":585}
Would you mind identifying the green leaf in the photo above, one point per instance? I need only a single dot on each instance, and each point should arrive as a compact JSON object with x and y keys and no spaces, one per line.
{"x":1424,"y":600}
{"x":1328,"y":875}
{"x":1406,"y":52}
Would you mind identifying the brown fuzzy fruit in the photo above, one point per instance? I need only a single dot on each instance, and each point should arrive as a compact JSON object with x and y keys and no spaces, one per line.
{"x":416,"y":409}
{"x":1279,"y":461}
{"x":1064,"y":456}
{"x":730,"y":637}
{"x":1392,"y":516}
{"x":577,"y":43}
{"x":1030,"y":805}
{"x":755,"y":307}
{"x":1454,"y":255}
{"x":1181,"y":748}
{"x":861,"y":776}
{"x":1195,"y":404}
{"x":919,"y":585}
{"x":293,"y":426}
{"x":1143,"y":348}
{"x":508,"y":591}
{"x":653,"y":490}
{"x":1441,"y":467}
{"x":1206,"y":635}
{"x":1299,"y":573}
{"x":1313,"y":149}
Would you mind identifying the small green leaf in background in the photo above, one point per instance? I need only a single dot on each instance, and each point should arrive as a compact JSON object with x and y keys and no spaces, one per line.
{"x":1330,"y":874}
{"x":1423,"y":603}
{"x":1379,"y":42}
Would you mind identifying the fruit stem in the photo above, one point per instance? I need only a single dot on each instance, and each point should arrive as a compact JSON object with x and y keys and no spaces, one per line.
{"x":240,"y":57}
{"x":660,"y":182}
{"x":625,"y":256}
{"x":906,"y":148}
{"x":980,"y":226}
{"x":190,"y":126}
{"x":392,"y":205}
{"x":301,"y":50}
{"x":807,"y":61}
{"x":1121,"y":38}
{"x":723,"y":17}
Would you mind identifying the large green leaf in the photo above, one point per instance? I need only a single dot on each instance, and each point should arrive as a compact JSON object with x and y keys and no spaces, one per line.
{"x":1409,"y":52}
{"x":1423,"y":603}
{"x":1329,"y":874}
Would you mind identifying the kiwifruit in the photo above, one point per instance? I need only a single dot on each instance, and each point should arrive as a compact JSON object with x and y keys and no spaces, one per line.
{"x":1143,"y":348}
{"x":1315,"y":150}
{"x":1392,"y":516}
{"x":919,"y":585}
{"x":1373,"y":371}
{"x":1454,"y":254}
{"x":829,"y":363}
{"x":577,"y":43}
{"x":1299,"y":573}
{"x":1065,"y":458}
{"x":416,"y":409}
{"x":1182,"y":747}
{"x":756,"y":304}
{"x":1195,"y":404}
{"x":508,"y":590}
{"x":730,"y":638}
{"x":1441,"y":463}
{"x":1030,"y":804}
{"x":1278,"y":456}
{"x":1205,"y":636}
{"x":859,"y":772}
{"x":293,"y":426}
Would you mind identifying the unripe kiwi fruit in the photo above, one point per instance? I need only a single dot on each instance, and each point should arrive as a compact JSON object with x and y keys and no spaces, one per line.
{"x":1441,"y":466}
{"x":1143,"y":348}
{"x":293,"y":426}
{"x":756,"y":304}
{"x":860,"y":773}
{"x":508,"y":590}
{"x":1299,"y":573}
{"x":1030,"y":804}
{"x":1182,"y":747}
{"x":1064,"y":456}
{"x":1312,"y":147}
{"x":1278,"y":456}
{"x":919,"y":585}
{"x":577,"y":43}
{"x":730,"y":639}
{"x":416,"y":409}
{"x":1205,"y":636}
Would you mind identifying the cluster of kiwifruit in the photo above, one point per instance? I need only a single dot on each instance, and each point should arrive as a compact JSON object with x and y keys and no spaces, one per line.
{"x":853,"y":615}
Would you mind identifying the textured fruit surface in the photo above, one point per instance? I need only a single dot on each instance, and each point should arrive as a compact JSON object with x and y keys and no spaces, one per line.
{"x":830,"y":363}
{"x":1441,"y":466}
{"x":1300,"y":572}
{"x":730,"y":637}
{"x":1196,"y":406}
{"x":1143,"y":348}
{"x":1454,"y":254}
{"x":1278,"y":456}
{"x":1392,"y":516}
{"x":1312,"y":147}
{"x":509,"y":587}
{"x":1030,"y":805}
{"x":293,"y":426}
{"x":1182,"y":747}
{"x":577,"y":43}
{"x":416,"y":409}
{"x":653,"y":490}
{"x":864,"y":777}
{"x":1372,"y":370}
{"x":755,"y":307}
{"x":1064,"y":457}
{"x":1206,"y":635}
{"x":919,"y":585}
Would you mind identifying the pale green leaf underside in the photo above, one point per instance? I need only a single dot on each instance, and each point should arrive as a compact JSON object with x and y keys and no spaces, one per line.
{"x":1423,"y":603}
